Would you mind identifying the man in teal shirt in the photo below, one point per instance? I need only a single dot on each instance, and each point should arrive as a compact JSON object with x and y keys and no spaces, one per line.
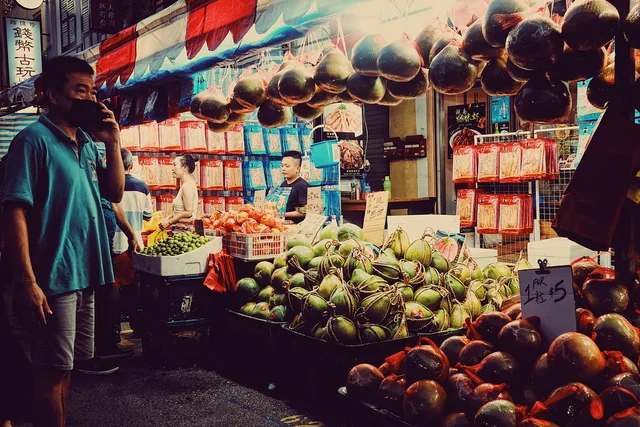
{"x":54,"y":226}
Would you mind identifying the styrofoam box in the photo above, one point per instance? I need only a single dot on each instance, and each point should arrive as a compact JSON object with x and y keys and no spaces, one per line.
{"x":483,"y":257}
{"x":557,"y":251}
{"x":194,"y":262}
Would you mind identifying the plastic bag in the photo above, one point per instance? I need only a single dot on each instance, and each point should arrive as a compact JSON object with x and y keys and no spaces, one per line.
{"x":466,"y":207}
{"x":254,"y":140}
{"x":273,"y":142}
{"x":216,"y":142}
{"x":489,"y":163}
{"x":214,"y":204}
{"x":212,"y":174}
{"x":123,"y":273}
{"x":165,"y":168}
{"x":233,"y":175}
{"x":488,"y":211}
{"x":464,"y":164}
{"x":149,"y":137}
{"x":169,"y":135}
{"x":235,"y":140}
{"x":221,"y":276}
{"x":130,"y":138}
{"x":534,"y":160}
{"x":149,"y":169}
{"x":510,"y":162}
{"x":193,"y":136}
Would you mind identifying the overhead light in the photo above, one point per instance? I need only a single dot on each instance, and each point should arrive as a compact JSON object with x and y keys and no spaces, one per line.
{"x":30,"y":4}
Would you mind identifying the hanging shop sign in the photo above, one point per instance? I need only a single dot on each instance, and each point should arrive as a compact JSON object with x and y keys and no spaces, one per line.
{"x":24,"y":49}
{"x":107,"y":16}
{"x":465,"y":121}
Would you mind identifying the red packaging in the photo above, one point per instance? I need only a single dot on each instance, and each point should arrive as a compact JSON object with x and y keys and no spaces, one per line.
{"x":234,"y":203}
{"x":193,"y":136}
{"x":165,"y":168}
{"x":149,"y":137}
{"x":466,"y":206}
{"x":489,"y":162}
{"x":534,"y":160}
{"x":214,"y":204}
{"x":510,"y":162}
{"x":149,"y":171}
{"x":553,"y":160}
{"x":235,"y":140}
{"x":516,"y":214}
{"x":464,"y":164}
{"x":154,"y":204}
{"x":200,"y":207}
{"x":130,"y":138}
{"x":488,"y":212}
{"x":232,"y":175}
{"x":169,"y":135}
{"x":212,"y":174}
{"x":165,"y":204}
{"x":216,"y":142}
{"x":197,"y":171}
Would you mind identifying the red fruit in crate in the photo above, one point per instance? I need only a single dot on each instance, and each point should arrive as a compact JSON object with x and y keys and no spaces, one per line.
{"x":242,"y":217}
{"x":363,"y":382}
{"x":229,"y":224}
{"x":425,"y":402}
{"x":575,"y":357}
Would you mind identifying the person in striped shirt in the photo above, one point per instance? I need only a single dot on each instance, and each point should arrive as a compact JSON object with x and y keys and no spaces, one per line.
{"x":135,"y":206}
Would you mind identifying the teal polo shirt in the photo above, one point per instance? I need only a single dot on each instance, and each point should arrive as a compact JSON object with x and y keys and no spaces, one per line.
{"x":67,"y":234}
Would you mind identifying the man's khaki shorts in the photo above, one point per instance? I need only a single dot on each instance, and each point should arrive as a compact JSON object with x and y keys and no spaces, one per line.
{"x":67,"y":336}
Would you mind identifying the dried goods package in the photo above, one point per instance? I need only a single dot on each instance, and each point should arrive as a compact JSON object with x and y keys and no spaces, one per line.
{"x":193,"y":136}
{"x":214,"y":204}
{"x":466,"y":206}
{"x":169,"y":135}
{"x":552,"y":159}
{"x":534,"y":160}
{"x":233,"y":175}
{"x":464,"y":164}
{"x":235,"y":140}
{"x":254,"y":140}
{"x":216,"y":142}
{"x":488,"y":211}
{"x":212,"y":174}
{"x":149,"y":137}
{"x":149,"y":170}
{"x":165,"y":204}
{"x":291,"y":139}
{"x":234,"y":203}
{"x":516,"y":214}
{"x":273,"y":141}
{"x":510,"y":162}
{"x":255,"y":178}
{"x":130,"y":138}
{"x":489,"y":163}
{"x":165,"y":168}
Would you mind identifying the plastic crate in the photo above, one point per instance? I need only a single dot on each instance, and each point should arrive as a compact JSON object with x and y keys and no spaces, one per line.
{"x":254,"y":247}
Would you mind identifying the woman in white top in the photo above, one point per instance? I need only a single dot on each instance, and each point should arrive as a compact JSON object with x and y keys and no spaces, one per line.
{"x":185,"y":204}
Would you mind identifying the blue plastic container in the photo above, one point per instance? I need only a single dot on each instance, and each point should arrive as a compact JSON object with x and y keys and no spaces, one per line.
{"x":325,"y":153}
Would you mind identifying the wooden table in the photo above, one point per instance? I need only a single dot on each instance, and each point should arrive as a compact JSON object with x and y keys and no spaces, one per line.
{"x":353,"y":210}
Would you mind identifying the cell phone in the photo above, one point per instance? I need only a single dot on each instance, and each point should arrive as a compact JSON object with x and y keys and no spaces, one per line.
{"x":92,"y":116}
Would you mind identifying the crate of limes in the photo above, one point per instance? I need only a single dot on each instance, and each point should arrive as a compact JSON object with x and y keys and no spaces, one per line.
{"x":182,"y":254}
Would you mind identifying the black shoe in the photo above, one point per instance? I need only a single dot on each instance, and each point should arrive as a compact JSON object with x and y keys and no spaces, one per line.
{"x":115,"y":352}
{"x":95,"y":366}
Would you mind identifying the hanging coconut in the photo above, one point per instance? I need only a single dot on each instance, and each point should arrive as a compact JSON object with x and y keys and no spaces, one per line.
{"x":369,"y":90}
{"x":500,"y":19}
{"x":476,"y":47}
{"x":425,"y":41}
{"x":389,"y":100}
{"x":364,"y":56}
{"x":219,"y":127}
{"x":450,"y":73}
{"x":333,"y":71}
{"x":576,"y":65}
{"x":271,"y":115}
{"x":296,"y":85}
{"x":306,"y":112}
{"x":542,"y":100}
{"x":601,"y":88}
{"x":409,"y":90}
{"x":322,"y":99}
{"x":535,"y":44}
{"x":590,"y":24}
{"x":250,"y":92}
{"x":214,"y":107}
{"x":273,"y":93}
{"x":496,"y":80}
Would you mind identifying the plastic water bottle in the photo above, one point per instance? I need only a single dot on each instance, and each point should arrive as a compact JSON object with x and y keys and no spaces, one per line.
{"x":386,"y":186}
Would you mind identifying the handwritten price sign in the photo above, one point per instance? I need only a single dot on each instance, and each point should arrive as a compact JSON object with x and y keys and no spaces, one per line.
{"x":548,"y":294}
{"x":315,"y":205}
{"x":375,"y":217}
{"x":259,"y":198}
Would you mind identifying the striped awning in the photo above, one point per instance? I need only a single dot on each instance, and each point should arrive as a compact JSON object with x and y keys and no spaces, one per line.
{"x":11,"y":124}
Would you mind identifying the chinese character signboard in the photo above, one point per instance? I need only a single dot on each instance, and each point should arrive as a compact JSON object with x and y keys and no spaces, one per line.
{"x":375,"y":217}
{"x":24,"y":49}
{"x":107,"y":16}
{"x":465,"y":121}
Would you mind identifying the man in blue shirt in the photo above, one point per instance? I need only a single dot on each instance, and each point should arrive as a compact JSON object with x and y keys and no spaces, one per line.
{"x":55,"y":231}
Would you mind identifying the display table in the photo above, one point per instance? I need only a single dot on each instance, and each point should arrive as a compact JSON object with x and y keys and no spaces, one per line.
{"x":353,"y":210}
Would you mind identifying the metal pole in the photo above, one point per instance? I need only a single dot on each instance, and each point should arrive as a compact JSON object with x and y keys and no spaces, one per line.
{"x":441,"y":152}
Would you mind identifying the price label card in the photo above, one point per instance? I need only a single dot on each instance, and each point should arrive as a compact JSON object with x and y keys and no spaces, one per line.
{"x":548,"y":294}
{"x":375,"y":217}
{"x":309,"y":228}
{"x":315,"y":204}
{"x":259,"y":198}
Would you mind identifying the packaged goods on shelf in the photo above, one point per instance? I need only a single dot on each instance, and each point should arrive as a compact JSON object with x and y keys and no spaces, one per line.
{"x":511,"y":162}
{"x":277,"y":198}
{"x":216,"y":142}
{"x":316,"y":175}
{"x":154,"y":204}
{"x":305,"y":168}
{"x":273,"y":172}
{"x":489,"y":163}
{"x":331,"y":175}
{"x":130,"y":138}
{"x":169,"y":135}
{"x":234,"y":203}
{"x":149,"y":137}
{"x":165,"y":203}
{"x":165,"y":168}
{"x":196,"y":174}
{"x":254,"y":140}
{"x":552,"y":158}
{"x":214,"y":204}
{"x":488,"y":212}
{"x":200,"y":207}
{"x":235,"y":140}
{"x":534,"y":160}
{"x":212,"y":174}
{"x":273,"y":141}
{"x":464,"y":164}
{"x":150,"y":171}
{"x":255,"y":178}
{"x":233,"y":175}
{"x":516,"y":214}
{"x":290,"y":139}
{"x":466,"y":206}
{"x":193,"y":136}
{"x":304,"y":135}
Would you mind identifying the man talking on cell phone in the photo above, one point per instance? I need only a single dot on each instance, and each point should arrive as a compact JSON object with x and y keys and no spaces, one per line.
{"x":297,"y":202}
{"x":54,"y":227}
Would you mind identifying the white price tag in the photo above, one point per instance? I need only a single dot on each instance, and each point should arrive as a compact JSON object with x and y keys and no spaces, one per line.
{"x":314,"y":201}
{"x":259,"y":198}
{"x":547,"y":292}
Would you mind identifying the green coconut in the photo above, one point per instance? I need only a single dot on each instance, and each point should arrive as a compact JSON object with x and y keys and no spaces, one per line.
{"x":439,"y":262}
{"x":429,"y":297}
{"x":248,"y":308}
{"x":266,"y":293}
{"x":304,"y":254}
{"x":279,"y":277}
{"x":247,"y":289}
{"x":419,"y":251}
{"x":328,"y":285}
{"x":263,"y":272}
{"x":261,"y":311}
{"x":350,"y":231}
